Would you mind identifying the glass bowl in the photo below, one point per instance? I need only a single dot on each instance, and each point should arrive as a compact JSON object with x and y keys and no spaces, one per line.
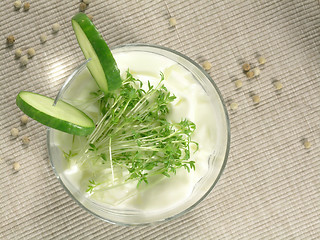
{"x":215,"y":164}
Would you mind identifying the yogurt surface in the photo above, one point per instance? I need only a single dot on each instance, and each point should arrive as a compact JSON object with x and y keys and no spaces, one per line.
{"x":191,"y":102}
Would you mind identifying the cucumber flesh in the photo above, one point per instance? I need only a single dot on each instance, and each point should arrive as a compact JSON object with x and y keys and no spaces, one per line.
{"x":102,"y":66}
{"x":62,"y":116}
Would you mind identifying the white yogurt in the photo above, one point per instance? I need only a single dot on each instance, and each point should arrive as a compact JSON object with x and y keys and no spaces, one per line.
{"x":192,"y":103}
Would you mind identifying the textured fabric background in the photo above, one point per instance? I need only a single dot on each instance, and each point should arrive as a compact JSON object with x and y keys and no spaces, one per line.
{"x":270,"y":188}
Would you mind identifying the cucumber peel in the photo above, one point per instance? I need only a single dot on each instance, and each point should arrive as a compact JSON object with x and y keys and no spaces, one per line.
{"x":102,"y":66}
{"x":62,"y":116}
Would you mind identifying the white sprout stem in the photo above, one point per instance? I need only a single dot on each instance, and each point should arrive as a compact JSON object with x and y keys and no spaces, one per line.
{"x":95,"y":135}
{"x":105,"y":132}
{"x":111,"y":164}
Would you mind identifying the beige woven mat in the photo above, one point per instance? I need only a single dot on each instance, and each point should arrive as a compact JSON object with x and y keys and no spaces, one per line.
{"x":270,"y":188}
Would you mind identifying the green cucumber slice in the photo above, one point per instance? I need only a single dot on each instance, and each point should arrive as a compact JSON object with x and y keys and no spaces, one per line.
{"x":62,"y":116}
{"x":102,"y":66}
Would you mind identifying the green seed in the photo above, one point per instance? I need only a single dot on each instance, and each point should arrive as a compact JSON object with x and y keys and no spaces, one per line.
{"x":31,"y":52}
{"x":14,"y":132}
{"x":16,"y":166}
{"x":306,"y":144}
{"x":173,"y":21}
{"x":278,"y":85}
{"x":56,"y":27}
{"x":24,"y":60}
{"x":43,"y":38}
{"x":18,"y":53}
{"x":82,"y":7}
{"x":261,"y":60}
{"x":256,"y":71}
{"x":238,"y":83}
{"x":24,"y":119}
{"x":246,"y":67}
{"x":10,"y":40}
{"x":25,"y":140}
{"x":250,"y":74}
{"x":26,"y":6}
{"x":17,"y":5}
{"x":207,"y":65}
{"x":234,"y":105}
{"x":256,"y":99}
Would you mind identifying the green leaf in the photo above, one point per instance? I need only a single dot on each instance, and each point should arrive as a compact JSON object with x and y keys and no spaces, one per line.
{"x":103,"y":156}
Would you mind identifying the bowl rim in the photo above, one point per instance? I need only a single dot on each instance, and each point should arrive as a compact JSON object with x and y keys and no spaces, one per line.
{"x":70,"y":79}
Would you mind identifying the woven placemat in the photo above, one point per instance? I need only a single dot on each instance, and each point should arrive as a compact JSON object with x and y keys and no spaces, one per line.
{"x":270,"y":187}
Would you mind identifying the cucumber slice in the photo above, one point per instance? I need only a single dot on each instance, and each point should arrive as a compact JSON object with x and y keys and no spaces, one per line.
{"x":62,"y":116}
{"x":102,"y":66}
